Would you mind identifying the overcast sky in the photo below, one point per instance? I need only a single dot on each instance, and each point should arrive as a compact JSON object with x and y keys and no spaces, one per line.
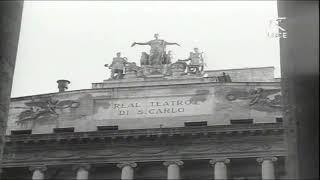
{"x":74,"y":39}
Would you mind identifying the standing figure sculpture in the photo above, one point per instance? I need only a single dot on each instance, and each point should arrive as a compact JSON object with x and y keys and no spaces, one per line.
{"x":196,"y":62}
{"x":117,"y":66}
{"x":158,"y":50}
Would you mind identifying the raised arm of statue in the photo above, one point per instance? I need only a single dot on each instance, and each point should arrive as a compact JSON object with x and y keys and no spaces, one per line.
{"x":133,"y":44}
{"x":169,"y":43}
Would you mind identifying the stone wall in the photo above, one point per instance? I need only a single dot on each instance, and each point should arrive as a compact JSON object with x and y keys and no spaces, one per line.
{"x":141,"y":107}
{"x":262,"y":74}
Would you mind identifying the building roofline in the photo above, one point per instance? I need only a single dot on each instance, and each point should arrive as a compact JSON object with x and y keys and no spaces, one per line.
{"x":240,"y":69}
{"x":120,"y":87}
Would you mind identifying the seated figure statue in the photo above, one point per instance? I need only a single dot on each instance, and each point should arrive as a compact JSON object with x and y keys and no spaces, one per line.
{"x":117,"y":66}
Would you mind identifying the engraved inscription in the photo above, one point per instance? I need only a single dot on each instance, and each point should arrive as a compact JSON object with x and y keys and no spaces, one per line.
{"x":156,"y":107}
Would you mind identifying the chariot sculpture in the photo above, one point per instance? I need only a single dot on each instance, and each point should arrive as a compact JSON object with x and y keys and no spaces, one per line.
{"x":157,"y":63}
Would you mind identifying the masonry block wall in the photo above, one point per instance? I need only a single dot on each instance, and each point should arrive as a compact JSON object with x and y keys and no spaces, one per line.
{"x":147,"y":107}
{"x":261,"y":74}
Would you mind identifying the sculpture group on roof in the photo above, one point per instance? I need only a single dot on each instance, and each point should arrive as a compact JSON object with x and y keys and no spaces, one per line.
{"x":157,"y":63}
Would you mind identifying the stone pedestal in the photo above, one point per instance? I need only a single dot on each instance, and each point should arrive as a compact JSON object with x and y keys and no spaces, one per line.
{"x":220,"y":168}
{"x":173,"y":169}
{"x":82,"y":171}
{"x":127,"y":171}
{"x":267,"y":167}
{"x":38,"y":172}
{"x":177,"y":73}
{"x":154,"y":70}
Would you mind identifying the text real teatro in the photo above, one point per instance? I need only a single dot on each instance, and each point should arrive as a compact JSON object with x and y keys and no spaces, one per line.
{"x":158,"y":120}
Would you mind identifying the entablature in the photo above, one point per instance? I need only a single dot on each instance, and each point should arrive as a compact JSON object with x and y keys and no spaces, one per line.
{"x":219,"y":131}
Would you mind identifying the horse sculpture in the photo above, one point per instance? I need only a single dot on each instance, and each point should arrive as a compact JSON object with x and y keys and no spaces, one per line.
{"x":144,"y":60}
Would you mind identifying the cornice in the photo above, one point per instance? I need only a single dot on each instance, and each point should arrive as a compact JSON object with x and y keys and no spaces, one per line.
{"x":219,"y":131}
{"x":75,"y":160}
{"x":166,"y":144}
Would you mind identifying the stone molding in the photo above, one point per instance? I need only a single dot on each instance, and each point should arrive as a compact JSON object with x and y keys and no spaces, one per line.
{"x":109,"y":160}
{"x":271,"y":158}
{"x":83,"y":166}
{"x":145,"y":84}
{"x":216,"y":160}
{"x":187,"y":81}
{"x":142,"y":149}
{"x":93,"y":152}
{"x":221,"y":130}
{"x":42,"y":168}
{"x":123,"y":164}
{"x":170,"y":162}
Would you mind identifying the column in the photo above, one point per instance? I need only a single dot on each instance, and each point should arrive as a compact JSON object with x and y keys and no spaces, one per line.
{"x":127,"y":171}
{"x":173,"y":169}
{"x":82,"y":171}
{"x":267,"y":167}
{"x":220,"y":168}
{"x":10,"y":20}
{"x":38,"y":172}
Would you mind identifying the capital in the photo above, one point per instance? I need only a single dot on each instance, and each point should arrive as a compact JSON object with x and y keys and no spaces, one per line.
{"x":176,"y":162}
{"x":41,"y":168}
{"x":270,"y":158}
{"x":123,"y":164}
{"x":223,"y":160}
{"x":81,"y":166}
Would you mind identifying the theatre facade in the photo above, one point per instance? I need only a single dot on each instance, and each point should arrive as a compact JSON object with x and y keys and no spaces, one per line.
{"x":217,"y":125}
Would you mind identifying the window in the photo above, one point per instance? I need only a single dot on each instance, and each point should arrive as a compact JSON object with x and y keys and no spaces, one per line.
{"x":20,"y":132}
{"x":200,"y":123}
{"x":279,"y":120}
{"x":107,"y":128}
{"x":63,"y":130}
{"x":241,"y":121}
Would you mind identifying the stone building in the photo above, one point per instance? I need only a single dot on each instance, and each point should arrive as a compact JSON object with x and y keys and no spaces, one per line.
{"x":184,"y":127}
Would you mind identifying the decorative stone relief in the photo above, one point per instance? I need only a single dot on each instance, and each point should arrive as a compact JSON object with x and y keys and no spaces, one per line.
{"x":44,"y":109}
{"x":259,"y":99}
{"x":201,"y":95}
